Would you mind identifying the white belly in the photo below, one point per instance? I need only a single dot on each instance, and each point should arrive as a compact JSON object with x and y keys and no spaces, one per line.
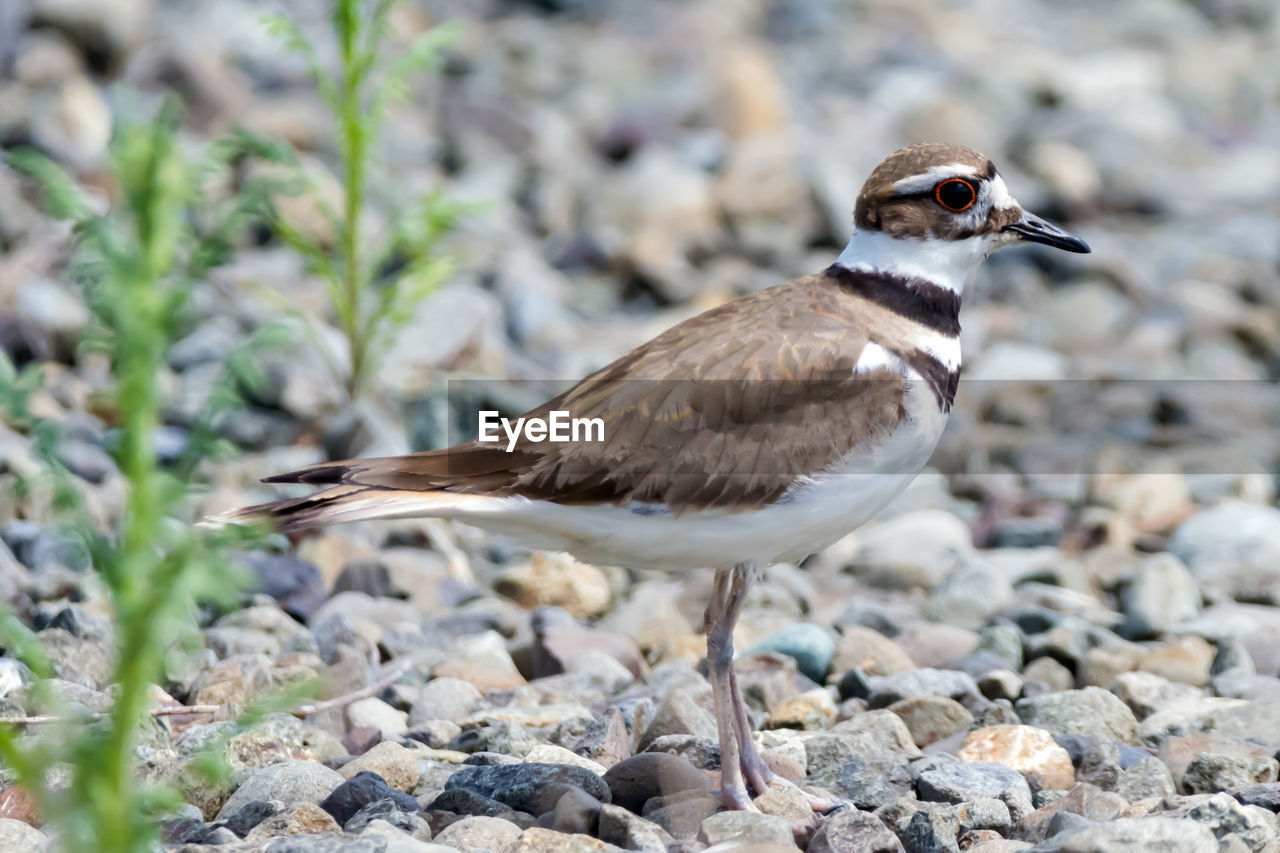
{"x":815,"y":513}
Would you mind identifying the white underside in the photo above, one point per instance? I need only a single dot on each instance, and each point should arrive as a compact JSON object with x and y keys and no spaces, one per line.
{"x":816,"y":512}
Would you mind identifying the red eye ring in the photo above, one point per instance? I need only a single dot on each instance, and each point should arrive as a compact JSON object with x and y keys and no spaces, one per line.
{"x":952,"y":203}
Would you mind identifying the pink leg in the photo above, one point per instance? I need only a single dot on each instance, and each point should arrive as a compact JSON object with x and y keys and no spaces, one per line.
{"x":727,"y":595}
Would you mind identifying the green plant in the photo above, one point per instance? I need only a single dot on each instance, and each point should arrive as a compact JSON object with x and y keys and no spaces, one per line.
{"x":373,"y":293}
{"x":136,"y":263}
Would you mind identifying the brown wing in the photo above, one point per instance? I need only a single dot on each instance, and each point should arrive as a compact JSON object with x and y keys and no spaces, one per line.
{"x":724,"y":410}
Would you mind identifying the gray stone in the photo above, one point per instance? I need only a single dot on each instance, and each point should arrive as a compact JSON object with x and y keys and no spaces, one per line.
{"x":969,"y":595}
{"x":631,"y":832}
{"x":1264,"y":794}
{"x":393,"y":814}
{"x":1223,"y":816}
{"x":752,"y":826}
{"x":868,"y":781}
{"x":531,"y":788}
{"x":1090,"y":711}
{"x":1211,"y":772}
{"x":678,"y":715}
{"x":953,"y":684}
{"x":19,"y":837}
{"x":1231,"y":543}
{"x":853,"y":831}
{"x":477,"y":834}
{"x":325,"y":844}
{"x":963,"y":781}
{"x":289,"y":782}
{"x":931,"y":831}
{"x":1134,"y":835}
{"x":1149,"y":777}
{"x":1162,"y":595}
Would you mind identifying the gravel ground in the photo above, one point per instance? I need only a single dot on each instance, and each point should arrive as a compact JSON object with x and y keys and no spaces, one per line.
{"x":1065,"y":637}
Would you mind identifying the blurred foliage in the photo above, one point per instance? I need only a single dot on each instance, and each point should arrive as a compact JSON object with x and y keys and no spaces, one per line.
{"x":373,"y":290}
{"x":137,"y":262}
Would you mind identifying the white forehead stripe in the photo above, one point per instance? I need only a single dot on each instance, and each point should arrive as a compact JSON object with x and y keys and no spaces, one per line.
{"x":999,"y":194}
{"x":926,"y":180}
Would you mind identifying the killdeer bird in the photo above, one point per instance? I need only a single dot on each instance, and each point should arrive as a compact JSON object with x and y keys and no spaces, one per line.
{"x":760,"y":431}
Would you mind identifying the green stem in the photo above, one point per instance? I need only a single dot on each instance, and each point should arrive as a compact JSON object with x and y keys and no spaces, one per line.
{"x":353,"y":145}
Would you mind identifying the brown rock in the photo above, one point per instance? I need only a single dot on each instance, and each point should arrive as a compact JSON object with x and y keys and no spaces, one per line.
{"x":870,"y":651}
{"x":1102,"y":665}
{"x":679,"y":715}
{"x":360,"y":740}
{"x":931,"y":644}
{"x":1027,"y":749}
{"x":393,"y":762}
{"x":605,"y":741}
{"x":1084,"y":799}
{"x":1185,"y":661}
{"x":1178,"y":752}
{"x":932,"y":718}
{"x":800,"y":714}
{"x":766,"y":679}
{"x":302,"y":819}
{"x":485,"y":663}
{"x":16,"y":805}
{"x":538,"y":840}
{"x":1048,"y":671}
{"x":557,"y":580}
{"x":638,"y":779}
{"x":787,"y":803}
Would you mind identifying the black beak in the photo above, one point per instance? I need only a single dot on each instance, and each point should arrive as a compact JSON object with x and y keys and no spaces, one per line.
{"x":1036,"y":230}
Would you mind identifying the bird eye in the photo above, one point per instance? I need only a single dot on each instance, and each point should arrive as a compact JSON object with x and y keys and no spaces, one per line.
{"x":955,"y":195}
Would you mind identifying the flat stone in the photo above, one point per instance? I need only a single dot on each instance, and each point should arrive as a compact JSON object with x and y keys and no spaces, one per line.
{"x":1264,"y":794}
{"x":1027,"y":749}
{"x":958,"y":782}
{"x":869,"y":781}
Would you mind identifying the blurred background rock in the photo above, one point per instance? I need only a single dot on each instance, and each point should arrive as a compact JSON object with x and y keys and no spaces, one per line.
{"x":632,"y":162}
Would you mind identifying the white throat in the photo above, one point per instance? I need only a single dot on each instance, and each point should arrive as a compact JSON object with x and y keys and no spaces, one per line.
{"x":946,"y":263}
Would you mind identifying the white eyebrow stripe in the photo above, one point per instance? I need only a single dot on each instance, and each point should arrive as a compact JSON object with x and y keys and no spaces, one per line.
{"x":926,"y":180}
{"x":999,"y":194}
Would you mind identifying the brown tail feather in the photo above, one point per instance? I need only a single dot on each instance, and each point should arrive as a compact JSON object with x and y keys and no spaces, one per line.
{"x":339,"y":505}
